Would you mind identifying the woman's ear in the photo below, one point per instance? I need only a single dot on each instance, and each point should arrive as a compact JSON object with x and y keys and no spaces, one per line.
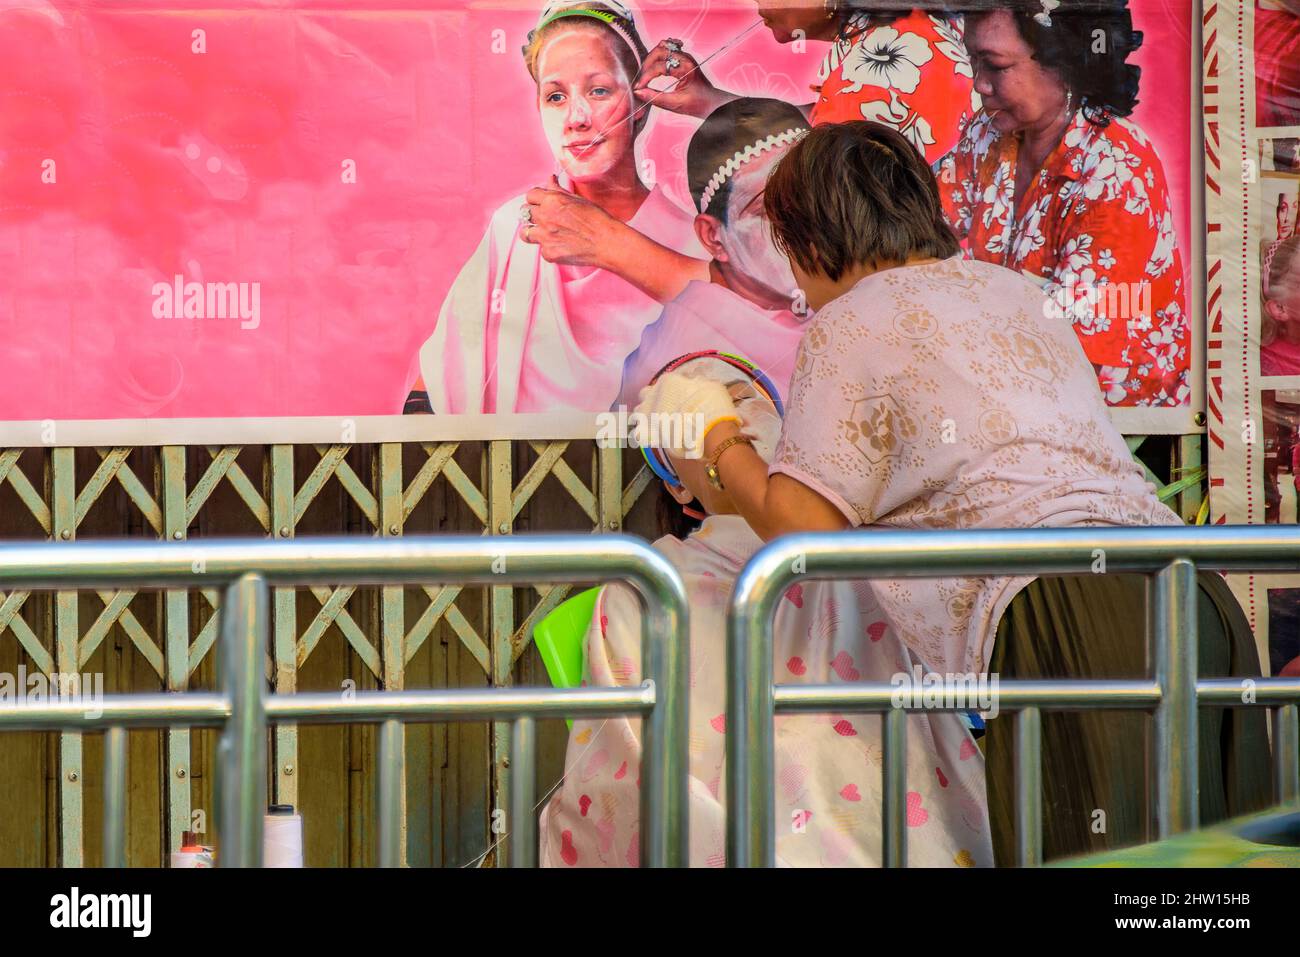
{"x":680,"y":493}
{"x":708,"y":229}
{"x":1276,"y":311}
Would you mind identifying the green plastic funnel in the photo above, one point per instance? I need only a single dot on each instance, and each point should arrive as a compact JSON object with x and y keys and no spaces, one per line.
{"x":559,"y":637}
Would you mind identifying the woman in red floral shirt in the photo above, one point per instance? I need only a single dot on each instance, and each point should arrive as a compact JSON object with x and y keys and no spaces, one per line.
{"x":911,"y":73}
{"x":1051,"y":180}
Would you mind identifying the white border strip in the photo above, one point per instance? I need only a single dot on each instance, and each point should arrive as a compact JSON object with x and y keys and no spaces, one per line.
{"x":324,"y":430}
{"x":377,"y":429}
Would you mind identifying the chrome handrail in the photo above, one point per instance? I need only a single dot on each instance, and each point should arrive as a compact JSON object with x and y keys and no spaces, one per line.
{"x":1170,"y":555}
{"x":243,"y":709}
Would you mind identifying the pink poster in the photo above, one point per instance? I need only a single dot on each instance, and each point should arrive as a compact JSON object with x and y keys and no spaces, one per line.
{"x":299,"y":209}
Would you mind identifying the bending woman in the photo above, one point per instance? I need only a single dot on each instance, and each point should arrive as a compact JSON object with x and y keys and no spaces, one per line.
{"x":931,"y":392}
{"x":828,"y":768}
{"x":518,"y":333}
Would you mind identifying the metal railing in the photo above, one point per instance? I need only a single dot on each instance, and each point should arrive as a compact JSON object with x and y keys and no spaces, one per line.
{"x":1169,"y":556}
{"x":243,"y":709}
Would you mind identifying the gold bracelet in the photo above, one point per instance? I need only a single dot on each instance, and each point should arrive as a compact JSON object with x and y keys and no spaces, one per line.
{"x":711,"y":469}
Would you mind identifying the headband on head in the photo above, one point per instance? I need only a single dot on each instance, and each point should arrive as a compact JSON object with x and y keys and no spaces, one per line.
{"x":733,"y":165}
{"x":560,"y":9}
{"x":555,"y":6}
{"x":655,"y":457}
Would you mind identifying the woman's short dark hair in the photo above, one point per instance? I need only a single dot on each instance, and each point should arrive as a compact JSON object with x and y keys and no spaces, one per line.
{"x":1088,"y":45}
{"x":849,"y":194}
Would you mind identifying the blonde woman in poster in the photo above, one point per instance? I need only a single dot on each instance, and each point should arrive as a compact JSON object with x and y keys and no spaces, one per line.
{"x":828,"y":767}
{"x":745,"y":306}
{"x":521,"y":333}
{"x":1052,"y":180}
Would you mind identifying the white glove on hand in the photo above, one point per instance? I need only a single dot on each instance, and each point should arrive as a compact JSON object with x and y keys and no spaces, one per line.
{"x":677,"y":412}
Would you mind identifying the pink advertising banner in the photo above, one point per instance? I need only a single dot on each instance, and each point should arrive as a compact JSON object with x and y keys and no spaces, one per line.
{"x":273,"y":211}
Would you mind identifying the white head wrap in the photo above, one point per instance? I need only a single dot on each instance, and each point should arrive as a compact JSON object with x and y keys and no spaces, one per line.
{"x":729,"y":168}
{"x":576,"y":8}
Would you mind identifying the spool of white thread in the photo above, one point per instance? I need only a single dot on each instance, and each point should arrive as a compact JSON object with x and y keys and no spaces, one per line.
{"x":282,"y":837}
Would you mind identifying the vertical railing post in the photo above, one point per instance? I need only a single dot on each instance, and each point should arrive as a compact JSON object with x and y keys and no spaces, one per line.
{"x":751,"y":735}
{"x":1173,"y":628}
{"x":523,"y":793}
{"x":893,"y":833}
{"x":665,"y":656}
{"x":115,"y":797}
{"x":242,"y":751}
{"x":1286,"y":754}
{"x":392,"y":754}
{"x":1029,"y":787}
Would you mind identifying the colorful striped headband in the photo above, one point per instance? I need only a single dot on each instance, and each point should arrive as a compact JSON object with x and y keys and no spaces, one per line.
{"x":655,"y":458}
{"x":557,"y":11}
{"x":731,"y":166}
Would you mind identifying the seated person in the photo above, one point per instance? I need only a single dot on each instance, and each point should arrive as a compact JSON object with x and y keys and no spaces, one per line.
{"x":747,"y":305}
{"x":828,"y":767}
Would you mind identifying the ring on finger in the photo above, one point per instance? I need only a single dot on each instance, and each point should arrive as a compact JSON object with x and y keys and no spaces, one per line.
{"x":674,"y":46}
{"x":673,"y":63}
{"x":526,"y":214}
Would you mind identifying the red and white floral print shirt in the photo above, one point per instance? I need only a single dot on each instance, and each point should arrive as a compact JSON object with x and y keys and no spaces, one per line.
{"x":912,"y":74}
{"x":1095,"y":227}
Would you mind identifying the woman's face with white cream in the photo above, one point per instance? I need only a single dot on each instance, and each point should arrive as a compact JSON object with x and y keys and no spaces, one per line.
{"x":747,"y":235}
{"x":585,"y":99}
{"x":742,"y":246}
